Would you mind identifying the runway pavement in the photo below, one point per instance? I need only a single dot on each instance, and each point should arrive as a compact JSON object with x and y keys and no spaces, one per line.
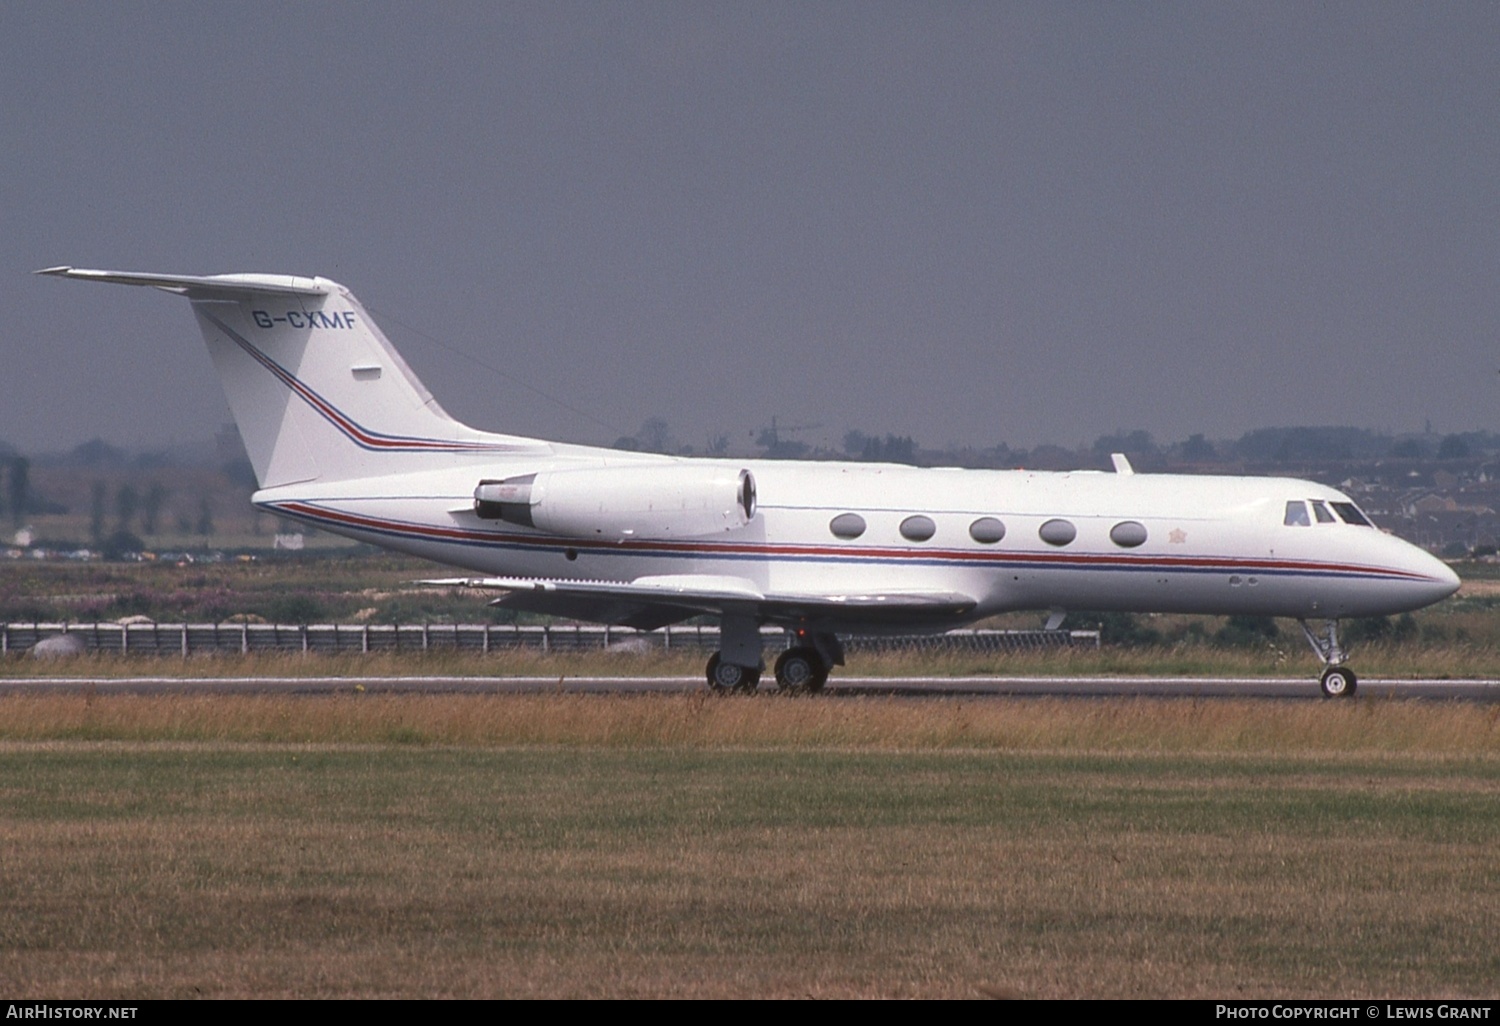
{"x":1473,"y":690}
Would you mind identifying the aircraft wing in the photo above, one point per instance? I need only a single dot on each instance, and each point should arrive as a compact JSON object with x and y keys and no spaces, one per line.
{"x":647,"y":603}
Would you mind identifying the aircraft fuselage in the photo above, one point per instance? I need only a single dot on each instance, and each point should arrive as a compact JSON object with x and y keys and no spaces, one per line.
{"x":1204,"y":544}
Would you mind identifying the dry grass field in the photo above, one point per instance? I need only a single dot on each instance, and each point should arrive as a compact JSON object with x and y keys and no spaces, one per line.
{"x":1451,"y":659}
{"x":561,"y":845}
{"x":664,"y":846}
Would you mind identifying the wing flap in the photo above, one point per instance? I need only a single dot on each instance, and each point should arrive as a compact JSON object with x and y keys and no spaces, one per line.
{"x":651,"y":602}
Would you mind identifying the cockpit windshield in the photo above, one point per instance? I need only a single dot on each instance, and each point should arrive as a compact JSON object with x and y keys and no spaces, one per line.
{"x":1350,"y":514}
{"x":1297,"y":513}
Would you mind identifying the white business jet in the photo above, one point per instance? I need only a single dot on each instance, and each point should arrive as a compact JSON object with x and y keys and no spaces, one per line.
{"x":343,"y":436}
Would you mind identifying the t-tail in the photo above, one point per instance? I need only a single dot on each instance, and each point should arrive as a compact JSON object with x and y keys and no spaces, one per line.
{"x":317,"y":390}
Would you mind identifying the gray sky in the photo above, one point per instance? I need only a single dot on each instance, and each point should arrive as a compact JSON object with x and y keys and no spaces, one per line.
{"x":966,"y":222}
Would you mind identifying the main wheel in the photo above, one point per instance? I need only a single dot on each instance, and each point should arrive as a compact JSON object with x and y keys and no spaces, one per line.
{"x":725,"y":677}
{"x":1338,"y":682}
{"x":801,"y":669}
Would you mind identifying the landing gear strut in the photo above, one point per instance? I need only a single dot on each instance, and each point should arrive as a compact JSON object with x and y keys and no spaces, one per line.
{"x":1338,"y":681}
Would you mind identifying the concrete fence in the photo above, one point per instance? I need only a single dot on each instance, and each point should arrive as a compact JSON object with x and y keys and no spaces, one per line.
{"x":185,"y":639}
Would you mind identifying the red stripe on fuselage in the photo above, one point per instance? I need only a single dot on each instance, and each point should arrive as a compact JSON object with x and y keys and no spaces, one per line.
{"x":957,"y":556}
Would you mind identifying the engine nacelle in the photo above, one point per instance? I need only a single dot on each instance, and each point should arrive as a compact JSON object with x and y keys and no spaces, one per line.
{"x":656,"y":502}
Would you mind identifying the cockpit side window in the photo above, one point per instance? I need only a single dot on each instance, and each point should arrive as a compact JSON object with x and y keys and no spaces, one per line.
{"x":1321,"y":512}
{"x":1351,"y":514}
{"x":1296,"y":514}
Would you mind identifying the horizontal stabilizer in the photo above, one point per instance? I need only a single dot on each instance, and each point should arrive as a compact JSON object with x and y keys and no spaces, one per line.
{"x":206,"y":286}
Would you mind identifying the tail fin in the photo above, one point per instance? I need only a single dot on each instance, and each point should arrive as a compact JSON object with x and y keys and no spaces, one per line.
{"x":317,"y":390}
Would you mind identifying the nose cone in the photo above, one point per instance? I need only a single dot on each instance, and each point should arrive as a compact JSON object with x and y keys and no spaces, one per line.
{"x":1430,"y":579}
{"x":1444,"y":581}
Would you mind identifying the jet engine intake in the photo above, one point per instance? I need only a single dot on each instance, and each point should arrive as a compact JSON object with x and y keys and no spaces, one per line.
{"x":653,"y":502}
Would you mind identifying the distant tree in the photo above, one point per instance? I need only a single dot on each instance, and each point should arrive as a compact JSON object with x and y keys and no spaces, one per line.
{"x":1311,"y":443}
{"x":151,"y":506}
{"x":240,"y":472}
{"x":890,"y":449}
{"x":1381,"y":628}
{"x":19,"y":489}
{"x":655,"y":436}
{"x":1051,"y":457}
{"x":96,"y":452}
{"x":1453,"y":447}
{"x":718,"y":444}
{"x":1409,"y":449}
{"x":1247,"y":631}
{"x":152,"y":460}
{"x":1139,"y":442}
{"x":787,"y":449}
{"x":127,"y":504}
{"x":855,"y":442}
{"x":205,"y":525}
{"x":97,"y":498}
{"x":120,"y":545}
{"x":1123,"y":629}
{"x":1197,"y":449}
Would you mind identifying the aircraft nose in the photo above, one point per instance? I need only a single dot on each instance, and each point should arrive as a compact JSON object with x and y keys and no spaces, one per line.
{"x":1438,"y":580}
{"x":1444,"y":581}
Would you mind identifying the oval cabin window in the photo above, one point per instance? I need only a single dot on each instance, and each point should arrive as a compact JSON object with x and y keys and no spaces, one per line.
{"x":987,"y":530}
{"x":1128,"y":534}
{"x":918,"y":528}
{"x":847,"y":525}
{"x":1058,"y":532}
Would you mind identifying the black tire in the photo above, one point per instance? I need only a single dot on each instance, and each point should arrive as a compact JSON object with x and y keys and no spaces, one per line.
{"x":1339,"y":682}
{"x":801,"y":669}
{"x":726,"y":677}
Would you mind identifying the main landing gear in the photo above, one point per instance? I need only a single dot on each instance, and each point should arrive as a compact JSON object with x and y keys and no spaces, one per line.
{"x":1338,"y":681}
{"x":801,"y":669}
{"x":724,"y":676}
{"x":804,"y":667}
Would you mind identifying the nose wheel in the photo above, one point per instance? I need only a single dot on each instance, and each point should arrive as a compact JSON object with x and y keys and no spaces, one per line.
{"x":1338,"y":681}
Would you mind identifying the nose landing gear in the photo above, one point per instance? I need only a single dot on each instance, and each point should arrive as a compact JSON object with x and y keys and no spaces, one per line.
{"x":1338,"y":681}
